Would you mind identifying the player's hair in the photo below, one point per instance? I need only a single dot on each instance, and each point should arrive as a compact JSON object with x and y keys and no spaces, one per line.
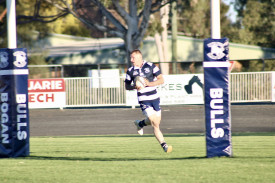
{"x":136,"y":51}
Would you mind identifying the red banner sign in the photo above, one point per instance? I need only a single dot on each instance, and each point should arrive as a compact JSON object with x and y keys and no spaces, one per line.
{"x":46,"y":93}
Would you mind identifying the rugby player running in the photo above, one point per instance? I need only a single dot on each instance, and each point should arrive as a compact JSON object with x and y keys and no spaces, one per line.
{"x":148,"y":97}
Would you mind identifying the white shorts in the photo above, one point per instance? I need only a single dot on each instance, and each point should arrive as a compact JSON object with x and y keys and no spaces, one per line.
{"x":150,"y":111}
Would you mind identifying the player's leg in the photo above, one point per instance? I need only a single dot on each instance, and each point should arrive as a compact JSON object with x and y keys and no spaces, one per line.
{"x":139,"y":126}
{"x":142,"y":123}
{"x":154,"y":119}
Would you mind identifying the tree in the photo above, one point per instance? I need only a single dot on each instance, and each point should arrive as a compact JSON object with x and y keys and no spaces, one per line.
{"x":195,"y":18}
{"x":126,"y":19}
{"x":256,"y":26}
{"x":256,"y":22}
{"x":158,"y":30}
{"x":48,"y":21}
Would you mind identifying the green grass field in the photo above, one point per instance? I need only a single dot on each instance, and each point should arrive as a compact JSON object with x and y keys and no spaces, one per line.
{"x":132,"y":158}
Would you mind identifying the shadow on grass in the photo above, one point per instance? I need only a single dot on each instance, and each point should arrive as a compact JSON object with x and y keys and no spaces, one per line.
{"x":107,"y":159}
{"x":166,"y":135}
{"x":118,"y":159}
{"x":126,"y":136}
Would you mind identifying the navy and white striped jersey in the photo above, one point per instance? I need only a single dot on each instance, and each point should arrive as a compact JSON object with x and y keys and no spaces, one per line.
{"x":149,"y":71}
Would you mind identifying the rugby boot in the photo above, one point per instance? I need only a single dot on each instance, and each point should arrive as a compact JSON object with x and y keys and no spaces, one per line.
{"x":167,"y":148}
{"x":139,"y":129}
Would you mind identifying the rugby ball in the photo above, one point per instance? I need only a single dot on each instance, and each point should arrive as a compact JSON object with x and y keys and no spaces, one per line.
{"x":140,"y":82}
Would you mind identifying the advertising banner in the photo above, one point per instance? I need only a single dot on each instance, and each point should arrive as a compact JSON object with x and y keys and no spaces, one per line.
{"x":217,"y":98}
{"x":182,"y":89}
{"x":14,"y":127}
{"x":46,"y":93}
{"x":177,"y":89}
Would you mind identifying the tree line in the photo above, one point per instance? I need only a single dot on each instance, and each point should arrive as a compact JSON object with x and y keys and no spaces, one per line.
{"x":132,"y":20}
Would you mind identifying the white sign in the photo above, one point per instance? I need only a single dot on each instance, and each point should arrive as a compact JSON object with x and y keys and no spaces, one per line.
{"x":182,"y":89}
{"x":177,"y":89}
{"x":105,"y":78}
{"x":46,"y":93}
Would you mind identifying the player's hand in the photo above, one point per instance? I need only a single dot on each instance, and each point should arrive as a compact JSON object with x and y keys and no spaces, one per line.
{"x":138,"y":87}
{"x":147,"y":83}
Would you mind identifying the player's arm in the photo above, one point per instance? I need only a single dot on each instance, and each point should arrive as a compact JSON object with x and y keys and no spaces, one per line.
{"x":129,"y":86}
{"x":157,"y":82}
{"x":129,"y":82}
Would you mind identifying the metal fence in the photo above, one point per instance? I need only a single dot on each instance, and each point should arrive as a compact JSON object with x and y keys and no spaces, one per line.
{"x":245,"y":87}
{"x":80,"y":92}
{"x":251,"y":87}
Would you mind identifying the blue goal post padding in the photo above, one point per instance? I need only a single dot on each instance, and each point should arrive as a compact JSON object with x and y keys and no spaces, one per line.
{"x":14,"y":128}
{"x":217,"y":101}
